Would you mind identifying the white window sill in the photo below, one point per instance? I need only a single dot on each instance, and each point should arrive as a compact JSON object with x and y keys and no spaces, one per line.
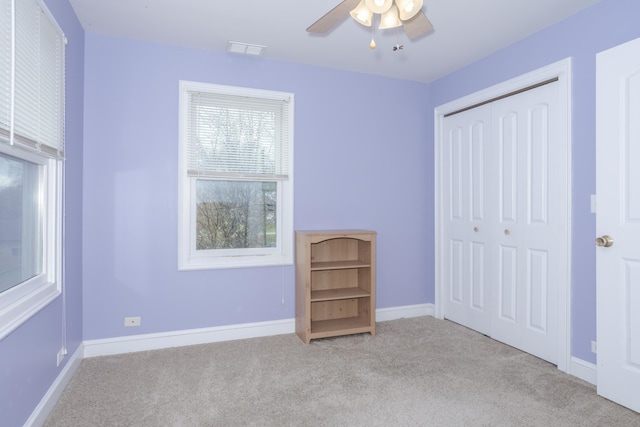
{"x":22,"y":309}
{"x":214,"y":263}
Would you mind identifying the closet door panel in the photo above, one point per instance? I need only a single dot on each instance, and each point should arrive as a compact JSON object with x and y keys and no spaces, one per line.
{"x":537,"y":290}
{"x":466,"y":152}
{"x":506,"y":138}
{"x":526,"y":126}
{"x":538,"y":166}
{"x":477,"y":164}
{"x":478,"y":263}
{"x":456,"y":272}
{"x":508,"y":285}
{"x":455,"y":166}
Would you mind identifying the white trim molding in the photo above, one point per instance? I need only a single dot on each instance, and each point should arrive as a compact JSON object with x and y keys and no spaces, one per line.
{"x":407,"y":311}
{"x":49,"y":400}
{"x":584,"y":370}
{"x":156,"y":341}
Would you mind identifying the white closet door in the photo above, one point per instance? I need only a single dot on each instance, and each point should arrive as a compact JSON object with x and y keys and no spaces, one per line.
{"x":527,"y":240}
{"x":466,"y":154}
{"x":505,"y":217}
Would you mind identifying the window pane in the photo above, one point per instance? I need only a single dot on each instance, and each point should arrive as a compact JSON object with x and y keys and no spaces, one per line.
{"x":235,"y":214}
{"x":20,"y":225}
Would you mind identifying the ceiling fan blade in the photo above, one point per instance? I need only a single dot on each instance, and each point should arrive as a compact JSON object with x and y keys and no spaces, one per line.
{"x":417,"y":26}
{"x":331,"y":18}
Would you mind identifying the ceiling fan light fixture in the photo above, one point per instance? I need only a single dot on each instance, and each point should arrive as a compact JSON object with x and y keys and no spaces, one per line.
{"x":378,"y":6}
{"x":390,"y":19}
{"x":362,"y":14}
{"x":409,"y":8}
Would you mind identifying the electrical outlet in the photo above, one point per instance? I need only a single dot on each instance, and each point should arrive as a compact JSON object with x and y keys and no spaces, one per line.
{"x":594,"y":347}
{"x":132,"y":321}
{"x":60,"y":356}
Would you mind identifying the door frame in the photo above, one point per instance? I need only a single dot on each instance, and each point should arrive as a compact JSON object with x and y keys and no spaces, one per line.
{"x":561,"y":70}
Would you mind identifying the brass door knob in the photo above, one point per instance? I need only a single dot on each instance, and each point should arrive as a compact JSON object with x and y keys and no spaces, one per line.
{"x":604,"y":241}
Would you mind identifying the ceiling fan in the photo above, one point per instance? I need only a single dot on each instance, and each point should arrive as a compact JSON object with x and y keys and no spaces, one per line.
{"x":394,"y":13}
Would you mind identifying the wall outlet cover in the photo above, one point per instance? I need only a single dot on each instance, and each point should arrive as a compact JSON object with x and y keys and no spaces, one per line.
{"x":131,"y":321}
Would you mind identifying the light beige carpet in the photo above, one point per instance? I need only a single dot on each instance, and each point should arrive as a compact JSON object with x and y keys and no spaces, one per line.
{"x":414,"y":372}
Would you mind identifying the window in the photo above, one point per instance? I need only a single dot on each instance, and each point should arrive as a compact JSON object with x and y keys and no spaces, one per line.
{"x":236,"y":180}
{"x":20,"y":227}
{"x":31,"y":153}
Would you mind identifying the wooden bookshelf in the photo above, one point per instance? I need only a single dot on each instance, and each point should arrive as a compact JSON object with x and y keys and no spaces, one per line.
{"x":335,"y":283}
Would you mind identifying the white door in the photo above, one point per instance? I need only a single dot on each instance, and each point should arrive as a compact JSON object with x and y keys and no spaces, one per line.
{"x":618,"y":216}
{"x":528,"y":175}
{"x":505,"y":210}
{"x":466,"y":158}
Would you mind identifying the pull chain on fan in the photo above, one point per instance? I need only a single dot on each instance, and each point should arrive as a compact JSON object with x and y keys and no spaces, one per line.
{"x":372,"y":45}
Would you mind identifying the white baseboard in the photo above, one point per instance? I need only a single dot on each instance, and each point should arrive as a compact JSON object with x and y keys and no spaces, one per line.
{"x":135,"y":343}
{"x":586,"y":371}
{"x":49,"y":400}
{"x":156,"y":341}
{"x":393,"y":313}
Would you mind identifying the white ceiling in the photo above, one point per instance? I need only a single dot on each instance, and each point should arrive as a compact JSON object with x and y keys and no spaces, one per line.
{"x":464,"y":30}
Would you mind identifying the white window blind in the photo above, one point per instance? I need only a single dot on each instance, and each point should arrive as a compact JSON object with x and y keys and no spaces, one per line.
{"x":237,"y":136}
{"x":5,"y":65}
{"x":31,"y":78}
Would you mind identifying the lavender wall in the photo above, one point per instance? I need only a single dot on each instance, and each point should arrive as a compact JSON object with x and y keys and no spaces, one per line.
{"x":28,"y":354}
{"x":581,"y":37}
{"x":344,"y":176}
{"x":361,"y":161}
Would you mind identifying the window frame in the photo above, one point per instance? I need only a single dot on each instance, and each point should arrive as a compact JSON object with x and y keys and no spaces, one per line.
{"x":189,"y":258}
{"x":21,"y":302}
{"x":33,"y":130}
